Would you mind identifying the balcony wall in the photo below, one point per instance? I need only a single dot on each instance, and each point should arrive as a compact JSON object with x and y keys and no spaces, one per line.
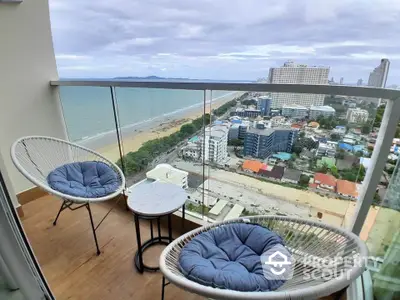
{"x":29,"y":105}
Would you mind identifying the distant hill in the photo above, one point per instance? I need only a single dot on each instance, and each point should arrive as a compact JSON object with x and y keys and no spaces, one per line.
{"x":175,"y":79}
{"x":150,"y":78}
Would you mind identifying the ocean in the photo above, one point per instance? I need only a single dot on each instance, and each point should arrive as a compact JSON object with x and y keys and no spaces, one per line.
{"x":88,"y":111}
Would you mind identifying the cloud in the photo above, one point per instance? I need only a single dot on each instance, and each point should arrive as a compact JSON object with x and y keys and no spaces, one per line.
{"x":223,"y":39}
{"x":62,"y":56}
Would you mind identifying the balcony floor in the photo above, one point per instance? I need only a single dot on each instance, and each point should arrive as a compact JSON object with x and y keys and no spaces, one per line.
{"x":66,"y":253}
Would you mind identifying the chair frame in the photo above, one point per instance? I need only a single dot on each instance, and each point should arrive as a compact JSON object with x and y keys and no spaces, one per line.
{"x":350,"y":243}
{"x":68,"y":200}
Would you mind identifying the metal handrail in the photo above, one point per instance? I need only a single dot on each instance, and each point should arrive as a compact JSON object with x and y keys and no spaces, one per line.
{"x":355,"y":91}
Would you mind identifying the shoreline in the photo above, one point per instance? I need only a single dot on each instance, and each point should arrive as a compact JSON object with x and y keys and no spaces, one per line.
{"x":134,"y":135}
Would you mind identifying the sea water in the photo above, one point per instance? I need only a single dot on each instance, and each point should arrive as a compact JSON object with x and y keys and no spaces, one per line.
{"x":88,"y":111}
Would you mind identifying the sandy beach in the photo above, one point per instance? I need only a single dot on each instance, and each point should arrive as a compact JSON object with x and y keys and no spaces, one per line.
{"x":135,"y":135}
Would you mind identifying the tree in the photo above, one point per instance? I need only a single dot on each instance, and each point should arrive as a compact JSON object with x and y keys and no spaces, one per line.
{"x":323,"y":168}
{"x":294,"y":156}
{"x":379,"y":116}
{"x":188,"y":129}
{"x":342,"y":122}
{"x":366,"y":128}
{"x":339,"y":155}
{"x":297,"y":148}
{"x":302,"y":134}
{"x":334,"y":171}
{"x":349,"y":175}
{"x":361,"y":173}
{"x":335,"y":137}
{"x":397,"y":132}
{"x":390,"y":170}
{"x":225,"y":107}
{"x":304,"y":180}
{"x":377,"y":199}
{"x":359,"y":153}
{"x":249,"y":102}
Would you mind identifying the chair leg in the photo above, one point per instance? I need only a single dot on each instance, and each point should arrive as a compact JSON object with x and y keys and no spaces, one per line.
{"x":163,"y":288}
{"x":93,"y":229}
{"x":183,"y":217}
{"x":59,"y":212}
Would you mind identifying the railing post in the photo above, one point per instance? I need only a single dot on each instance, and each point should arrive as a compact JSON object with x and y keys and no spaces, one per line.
{"x":378,"y":160}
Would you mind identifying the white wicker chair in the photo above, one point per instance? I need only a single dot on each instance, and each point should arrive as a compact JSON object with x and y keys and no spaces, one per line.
{"x":36,"y":156}
{"x":308,"y":241}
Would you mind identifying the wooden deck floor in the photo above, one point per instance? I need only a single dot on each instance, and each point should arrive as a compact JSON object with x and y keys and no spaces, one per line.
{"x":66,"y":253}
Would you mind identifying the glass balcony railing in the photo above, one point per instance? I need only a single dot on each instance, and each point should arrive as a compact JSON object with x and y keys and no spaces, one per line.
{"x":239,"y":153}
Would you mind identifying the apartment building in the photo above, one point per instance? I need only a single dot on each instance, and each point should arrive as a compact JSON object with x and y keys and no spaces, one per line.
{"x":327,"y":149}
{"x":264,"y":105}
{"x":295,"y":111}
{"x":325,"y":111}
{"x":215,"y":147}
{"x":298,"y":74}
{"x":357,"y":115}
{"x":263,"y":142}
{"x":169,"y":174}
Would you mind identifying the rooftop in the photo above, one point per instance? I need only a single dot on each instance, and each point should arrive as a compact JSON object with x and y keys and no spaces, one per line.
{"x":347,"y":162}
{"x":276,"y":172}
{"x":167,"y":173}
{"x":323,"y":108}
{"x":294,"y":106}
{"x":347,"y":188}
{"x":266,"y":132}
{"x":217,"y":131}
{"x":325,"y":179}
{"x":292,"y":174}
{"x":252,"y":165}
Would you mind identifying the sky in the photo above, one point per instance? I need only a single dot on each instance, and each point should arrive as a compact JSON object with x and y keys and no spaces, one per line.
{"x":224,"y":39}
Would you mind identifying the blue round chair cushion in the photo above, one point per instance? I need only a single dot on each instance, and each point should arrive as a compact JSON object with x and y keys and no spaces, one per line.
{"x":88,"y":179}
{"x":229,"y":257}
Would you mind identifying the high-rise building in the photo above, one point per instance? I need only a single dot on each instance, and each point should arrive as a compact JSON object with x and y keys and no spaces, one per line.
{"x":341,"y":80}
{"x":298,"y":74}
{"x":215,"y":147}
{"x":378,"y":76}
{"x":357,"y":115}
{"x":264,"y":104}
{"x":261,"y":143}
{"x":359,"y":82}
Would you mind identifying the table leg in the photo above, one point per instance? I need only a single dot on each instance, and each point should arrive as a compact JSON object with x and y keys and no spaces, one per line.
{"x":169,"y":228}
{"x":159,"y":228}
{"x":139,"y":243}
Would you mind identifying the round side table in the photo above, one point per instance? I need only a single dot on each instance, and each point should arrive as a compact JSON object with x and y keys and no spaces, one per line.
{"x":152,"y":201}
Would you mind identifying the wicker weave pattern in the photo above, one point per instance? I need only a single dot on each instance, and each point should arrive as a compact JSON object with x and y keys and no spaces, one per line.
{"x":308,"y":241}
{"x":36,"y":156}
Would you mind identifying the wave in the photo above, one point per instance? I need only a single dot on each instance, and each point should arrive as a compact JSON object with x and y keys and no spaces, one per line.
{"x":144,"y":122}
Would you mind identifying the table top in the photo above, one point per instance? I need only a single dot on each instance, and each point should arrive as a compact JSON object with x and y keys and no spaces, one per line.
{"x":156,"y":199}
